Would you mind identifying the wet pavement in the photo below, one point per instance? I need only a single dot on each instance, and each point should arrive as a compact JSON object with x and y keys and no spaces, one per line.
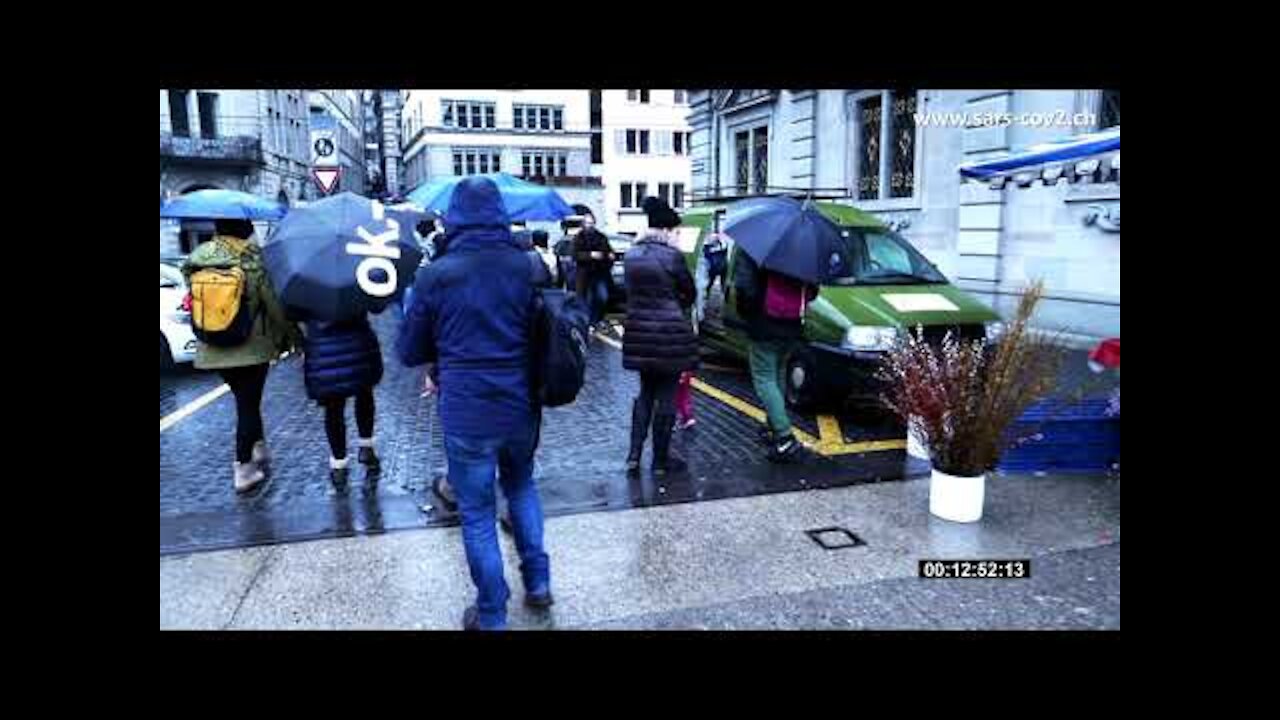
{"x":579,"y":462}
{"x":747,"y":562}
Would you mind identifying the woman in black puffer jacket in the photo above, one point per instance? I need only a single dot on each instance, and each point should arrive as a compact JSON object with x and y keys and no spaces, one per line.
{"x":658,"y":339}
{"x":344,"y":360}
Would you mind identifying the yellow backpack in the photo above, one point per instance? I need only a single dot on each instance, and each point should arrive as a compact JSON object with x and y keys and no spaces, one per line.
{"x":219,"y":309}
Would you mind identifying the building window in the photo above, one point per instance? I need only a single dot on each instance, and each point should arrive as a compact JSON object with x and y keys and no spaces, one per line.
{"x":751,"y":156}
{"x":644,"y":96}
{"x":448,"y":117}
{"x":644,"y":142}
{"x":681,"y":97}
{"x":178,"y":119}
{"x":902,"y":179}
{"x":633,"y":95}
{"x":760,"y":159}
{"x":473,"y":115}
{"x":626,"y":195}
{"x":208,"y":106}
{"x":677,"y":195}
{"x":869,"y":123}
{"x":469,"y":161}
{"x":597,"y":147}
{"x":631,"y":142}
{"x":886,"y":145}
{"x":538,"y":117}
{"x":1108,"y":109}
{"x":664,"y":192}
{"x":678,"y":141}
{"x":544,"y":163}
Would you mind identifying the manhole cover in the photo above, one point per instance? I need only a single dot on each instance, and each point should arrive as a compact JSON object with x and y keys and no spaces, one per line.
{"x":834,"y":538}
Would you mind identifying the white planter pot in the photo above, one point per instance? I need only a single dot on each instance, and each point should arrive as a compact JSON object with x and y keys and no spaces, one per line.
{"x":956,"y":498}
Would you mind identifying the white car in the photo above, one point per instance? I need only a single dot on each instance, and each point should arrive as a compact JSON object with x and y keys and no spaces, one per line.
{"x":177,"y":342}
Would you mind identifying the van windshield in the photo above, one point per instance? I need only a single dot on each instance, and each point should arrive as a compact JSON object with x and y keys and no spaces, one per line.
{"x":883,"y":257}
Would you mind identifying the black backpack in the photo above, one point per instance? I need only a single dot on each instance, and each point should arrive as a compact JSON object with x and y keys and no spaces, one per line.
{"x":558,"y":340}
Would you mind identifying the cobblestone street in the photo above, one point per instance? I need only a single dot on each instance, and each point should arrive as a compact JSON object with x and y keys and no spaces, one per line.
{"x":579,"y":461}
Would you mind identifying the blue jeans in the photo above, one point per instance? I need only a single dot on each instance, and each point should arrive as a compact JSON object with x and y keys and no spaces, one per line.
{"x":473,"y":463}
{"x":597,"y":298}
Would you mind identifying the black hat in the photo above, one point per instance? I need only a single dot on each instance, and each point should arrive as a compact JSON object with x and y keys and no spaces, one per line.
{"x":660,"y":213}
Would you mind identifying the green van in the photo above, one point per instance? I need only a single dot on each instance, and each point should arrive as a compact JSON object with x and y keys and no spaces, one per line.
{"x":891,"y":288}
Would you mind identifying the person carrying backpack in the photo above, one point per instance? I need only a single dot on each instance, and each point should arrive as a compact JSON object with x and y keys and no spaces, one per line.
{"x":773,"y":307}
{"x":658,"y":340}
{"x":472,"y":315}
{"x":240,"y":328}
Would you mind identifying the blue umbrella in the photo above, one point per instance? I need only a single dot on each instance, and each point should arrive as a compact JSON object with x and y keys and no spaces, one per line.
{"x":524,"y":200}
{"x":222,"y":204}
{"x":341,"y":257}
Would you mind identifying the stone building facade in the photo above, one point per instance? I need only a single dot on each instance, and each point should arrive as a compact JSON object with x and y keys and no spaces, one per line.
{"x":896,"y":153}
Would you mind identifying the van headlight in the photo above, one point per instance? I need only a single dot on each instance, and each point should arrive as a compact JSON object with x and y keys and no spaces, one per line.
{"x":995,"y":330}
{"x":870,"y":337}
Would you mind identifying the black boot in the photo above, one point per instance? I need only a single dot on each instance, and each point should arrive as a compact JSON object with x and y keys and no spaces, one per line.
{"x":664,"y":461}
{"x":370,"y":459}
{"x":639,"y":429}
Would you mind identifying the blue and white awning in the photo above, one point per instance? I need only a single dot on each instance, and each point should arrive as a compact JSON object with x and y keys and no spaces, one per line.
{"x":1084,"y":153}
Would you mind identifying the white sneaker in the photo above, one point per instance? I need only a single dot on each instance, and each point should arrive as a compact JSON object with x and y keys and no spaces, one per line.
{"x":248,"y":476}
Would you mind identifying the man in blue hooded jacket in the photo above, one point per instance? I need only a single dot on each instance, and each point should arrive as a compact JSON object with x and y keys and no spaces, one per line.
{"x":470,"y":315}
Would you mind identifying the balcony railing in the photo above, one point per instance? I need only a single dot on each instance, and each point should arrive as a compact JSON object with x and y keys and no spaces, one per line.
{"x":231,"y":140}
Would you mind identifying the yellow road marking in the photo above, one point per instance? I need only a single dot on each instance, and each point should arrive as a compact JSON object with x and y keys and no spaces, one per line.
{"x":751,"y":411}
{"x":831,"y":438}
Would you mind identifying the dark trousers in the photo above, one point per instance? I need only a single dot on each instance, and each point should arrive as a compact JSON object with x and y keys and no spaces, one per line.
{"x":658,"y":392}
{"x":246,"y":385}
{"x":335,"y":422}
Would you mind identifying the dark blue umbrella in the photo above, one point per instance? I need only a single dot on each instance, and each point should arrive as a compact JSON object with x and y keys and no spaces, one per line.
{"x":341,"y":257}
{"x":223,"y":205}
{"x":523,"y":200}
{"x":788,"y":237}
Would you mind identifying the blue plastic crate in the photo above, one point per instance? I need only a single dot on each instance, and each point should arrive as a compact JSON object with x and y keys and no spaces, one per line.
{"x":1072,"y":438}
